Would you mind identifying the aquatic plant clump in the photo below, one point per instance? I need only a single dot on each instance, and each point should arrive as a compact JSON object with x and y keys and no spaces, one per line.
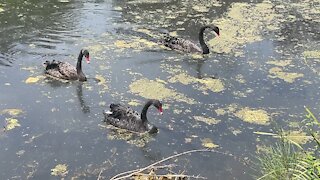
{"x":207,"y":120}
{"x":253,"y":116}
{"x":60,"y":170}
{"x":152,"y":89}
{"x":243,"y":24}
{"x":290,"y":77}
{"x":205,"y":84}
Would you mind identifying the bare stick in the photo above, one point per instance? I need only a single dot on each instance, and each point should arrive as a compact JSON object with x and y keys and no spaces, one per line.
{"x":100,"y":174}
{"x":172,"y":175}
{"x":132,"y":172}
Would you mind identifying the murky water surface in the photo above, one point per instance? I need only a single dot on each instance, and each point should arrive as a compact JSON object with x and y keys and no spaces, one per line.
{"x":264,"y":68}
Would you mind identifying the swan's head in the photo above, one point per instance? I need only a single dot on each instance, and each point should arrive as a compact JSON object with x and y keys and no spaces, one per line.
{"x":45,"y":64}
{"x":158,"y":105}
{"x":86,"y":55}
{"x":215,"y":29}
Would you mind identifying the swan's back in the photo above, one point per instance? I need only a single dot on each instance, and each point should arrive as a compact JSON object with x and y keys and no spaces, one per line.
{"x":180,"y":44}
{"x":125,"y":118}
{"x":61,"y":70}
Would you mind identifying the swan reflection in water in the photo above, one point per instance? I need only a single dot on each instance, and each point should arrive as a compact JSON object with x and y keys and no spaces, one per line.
{"x":57,"y":83}
{"x":84,"y":107}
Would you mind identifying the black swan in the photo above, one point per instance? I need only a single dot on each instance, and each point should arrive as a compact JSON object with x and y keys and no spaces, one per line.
{"x":64,"y":70}
{"x":126,"y":118}
{"x":188,"y":46}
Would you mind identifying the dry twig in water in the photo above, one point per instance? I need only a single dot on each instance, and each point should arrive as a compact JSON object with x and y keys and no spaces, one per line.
{"x":172,"y":176}
{"x":131,"y":173}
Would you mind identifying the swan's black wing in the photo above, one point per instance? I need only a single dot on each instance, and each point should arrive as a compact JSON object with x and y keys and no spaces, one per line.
{"x":120,"y":111}
{"x":180,"y":44}
{"x":52,"y":69}
{"x":125,"y":118}
{"x":68,"y":70}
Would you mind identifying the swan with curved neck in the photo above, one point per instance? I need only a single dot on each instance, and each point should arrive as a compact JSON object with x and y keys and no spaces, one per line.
{"x":126,"y":118}
{"x":188,"y":46}
{"x":64,"y":70}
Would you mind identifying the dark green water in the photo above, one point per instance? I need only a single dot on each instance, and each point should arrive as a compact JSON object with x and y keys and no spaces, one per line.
{"x":60,"y":123}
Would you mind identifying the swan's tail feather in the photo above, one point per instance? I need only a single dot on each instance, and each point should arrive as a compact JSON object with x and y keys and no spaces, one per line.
{"x":107,"y":112}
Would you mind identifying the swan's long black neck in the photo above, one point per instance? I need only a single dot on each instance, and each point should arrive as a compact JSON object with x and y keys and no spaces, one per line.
{"x":79,"y":63}
{"x":205,"y":49}
{"x":144,"y":111}
{"x":81,"y":75}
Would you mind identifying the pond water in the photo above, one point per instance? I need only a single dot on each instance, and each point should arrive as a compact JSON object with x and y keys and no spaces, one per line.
{"x":262,"y":70}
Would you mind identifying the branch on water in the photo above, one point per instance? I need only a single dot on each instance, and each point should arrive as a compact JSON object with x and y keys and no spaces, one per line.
{"x":171,"y":176}
{"x":131,"y":173}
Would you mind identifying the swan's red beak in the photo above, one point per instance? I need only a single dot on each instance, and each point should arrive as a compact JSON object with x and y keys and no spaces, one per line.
{"x":160,"y":110}
{"x":88,"y":59}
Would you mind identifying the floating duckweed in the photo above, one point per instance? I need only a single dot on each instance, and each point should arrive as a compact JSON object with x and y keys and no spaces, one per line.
{"x":177,"y":111}
{"x":294,"y":124}
{"x":138,"y":43}
{"x":215,"y":85}
{"x":298,"y":137}
{"x":253,"y":116}
{"x":207,"y":142}
{"x":142,"y":140}
{"x":147,"y":1}
{"x":174,"y":33}
{"x":200,"y":8}
{"x":277,"y":72}
{"x":102,"y":82}
{"x":197,"y":56}
{"x":232,"y":108}
{"x":239,"y":94}
{"x":281,"y":63}
{"x":134,"y":103}
{"x":240,"y":79}
{"x":96,"y":49}
{"x":122,"y":44}
{"x":145,"y":31}
{"x":12,"y":123}
{"x":59,"y":170}
{"x":32,"y":80}
{"x":306,"y":9}
{"x":220,"y":112}
{"x":311,"y":54}
{"x":207,"y":120}
{"x":235,"y":131}
{"x":155,"y":90}
{"x":121,"y":134}
{"x":182,"y":78}
{"x":12,"y":112}
{"x":242,"y":25}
